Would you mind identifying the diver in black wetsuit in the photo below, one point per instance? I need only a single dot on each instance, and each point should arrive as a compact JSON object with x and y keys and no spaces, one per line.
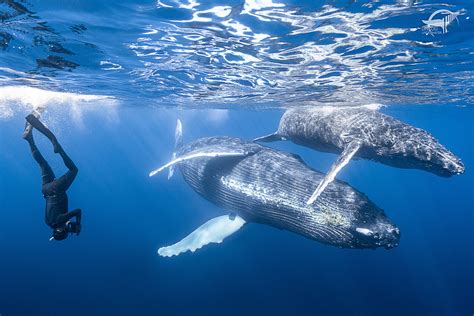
{"x":54,"y":190}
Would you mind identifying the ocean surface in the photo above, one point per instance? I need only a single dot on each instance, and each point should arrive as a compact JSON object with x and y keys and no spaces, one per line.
{"x":113,"y":78}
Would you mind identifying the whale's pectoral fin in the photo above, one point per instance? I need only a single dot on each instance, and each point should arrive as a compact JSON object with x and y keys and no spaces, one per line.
{"x":269,"y":138}
{"x":178,"y":142}
{"x":199,"y":154}
{"x":350,"y":150}
{"x":171,"y":168}
{"x":213,"y":231}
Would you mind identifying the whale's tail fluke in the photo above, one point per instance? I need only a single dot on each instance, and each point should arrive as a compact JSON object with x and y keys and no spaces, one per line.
{"x":178,"y":142}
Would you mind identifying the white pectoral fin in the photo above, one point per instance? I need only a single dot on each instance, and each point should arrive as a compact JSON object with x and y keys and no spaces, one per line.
{"x":178,"y":142}
{"x":193,"y":155}
{"x":178,"y":134}
{"x":171,"y":169}
{"x":268,"y":138}
{"x":213,"y":231}
{"x":349,"y":152}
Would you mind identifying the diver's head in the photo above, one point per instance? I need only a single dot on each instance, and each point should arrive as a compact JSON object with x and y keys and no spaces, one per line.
{"x":60,"y":233}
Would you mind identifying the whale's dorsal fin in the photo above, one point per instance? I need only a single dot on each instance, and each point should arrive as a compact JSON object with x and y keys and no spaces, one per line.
{"x":349,"y":152}
{"x":213,"y":231}
{"x":269,"y":138}
{"x":198,"y":154}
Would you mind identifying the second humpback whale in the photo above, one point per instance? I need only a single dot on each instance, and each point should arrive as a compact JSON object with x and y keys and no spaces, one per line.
{"x":262,"y":185}
{"x":364,"y":133}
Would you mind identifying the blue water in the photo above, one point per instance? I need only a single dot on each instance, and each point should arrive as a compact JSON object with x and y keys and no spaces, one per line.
{"x":146,"y":63}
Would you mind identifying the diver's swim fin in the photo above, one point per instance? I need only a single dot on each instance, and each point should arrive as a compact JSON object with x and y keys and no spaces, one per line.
{"x":36,"y":123}
{"x":213,"y":231}
{"x":28,"y":127}
{"x":269,"y":138}
{"x":27,"y":132}
{"x":349,"y":152}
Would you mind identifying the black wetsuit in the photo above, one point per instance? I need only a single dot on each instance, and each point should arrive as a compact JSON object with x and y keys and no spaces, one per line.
{"x":54,"y":190}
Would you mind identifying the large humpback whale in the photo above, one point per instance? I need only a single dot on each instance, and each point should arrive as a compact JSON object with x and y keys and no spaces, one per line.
{"x":364,"y":133}
{"x":262,"y":185}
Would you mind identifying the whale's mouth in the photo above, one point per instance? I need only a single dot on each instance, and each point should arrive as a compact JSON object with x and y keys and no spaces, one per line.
{"x":447,"y":169}
{"x":392,"y":243}
{"x":392,"y":238}
{"x":390,"y":246}
{"x":387,"y":238}
{"x":457,"y":167}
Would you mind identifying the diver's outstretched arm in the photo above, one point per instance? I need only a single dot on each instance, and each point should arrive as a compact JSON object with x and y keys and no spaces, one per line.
{"x":73,"y":227}
{"x":77,"y":213}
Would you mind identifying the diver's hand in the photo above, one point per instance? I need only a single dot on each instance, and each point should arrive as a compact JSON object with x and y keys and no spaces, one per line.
{"x":74,"y":228}
{"x":77,"y":229}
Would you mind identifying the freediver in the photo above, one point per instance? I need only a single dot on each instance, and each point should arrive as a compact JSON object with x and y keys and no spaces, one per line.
{"x":54,"y":190}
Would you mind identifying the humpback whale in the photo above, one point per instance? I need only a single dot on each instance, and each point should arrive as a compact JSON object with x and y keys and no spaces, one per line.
{"x":257,"y":184}
{"x":364,"y":133}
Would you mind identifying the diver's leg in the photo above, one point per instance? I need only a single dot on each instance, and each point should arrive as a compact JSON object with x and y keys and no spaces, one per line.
{"x":36,"y":123}
{"x":67,"y":160}
{"x":65,"y":181}
{"x":47,"y":173}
